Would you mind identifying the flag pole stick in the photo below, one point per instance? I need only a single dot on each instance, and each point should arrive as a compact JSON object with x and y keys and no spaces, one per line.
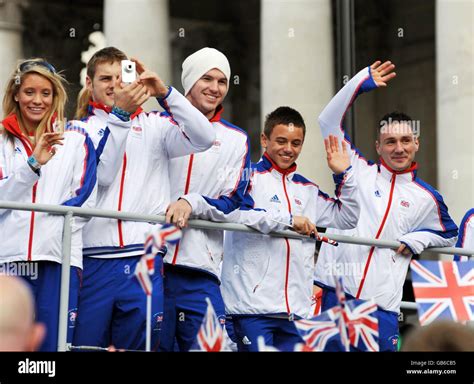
{"x":93,"y":348}
{"x":148,"y":322}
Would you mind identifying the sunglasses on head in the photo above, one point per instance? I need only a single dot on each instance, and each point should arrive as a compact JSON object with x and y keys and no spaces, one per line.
{"x":31,"y":63}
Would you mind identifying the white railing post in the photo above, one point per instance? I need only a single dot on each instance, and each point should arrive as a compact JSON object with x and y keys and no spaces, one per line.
{"x":65,"y":278}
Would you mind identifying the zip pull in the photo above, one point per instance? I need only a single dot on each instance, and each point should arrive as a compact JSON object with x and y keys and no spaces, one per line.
{"x":255,"y":288}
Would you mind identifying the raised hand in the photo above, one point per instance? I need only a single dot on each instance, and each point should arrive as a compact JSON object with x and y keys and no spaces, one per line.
{"x":130,"y":96}
{"x":44,"y":149}
{"x":382,"y":73}
{"x":337,"y":160}
{"x":151,"y":80}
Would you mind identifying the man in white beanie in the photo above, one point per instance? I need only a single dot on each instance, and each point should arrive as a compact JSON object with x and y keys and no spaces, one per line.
{"x":217,"y":177}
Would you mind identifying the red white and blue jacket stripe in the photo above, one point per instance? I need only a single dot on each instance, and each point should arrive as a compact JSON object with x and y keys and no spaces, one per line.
{"x":466,"y":235}
{"x":394,"y":206}
{"x":132,"y":169}
{"x":69,"y":179}
{"x":263,"y":275}
{"x":218,"y":177}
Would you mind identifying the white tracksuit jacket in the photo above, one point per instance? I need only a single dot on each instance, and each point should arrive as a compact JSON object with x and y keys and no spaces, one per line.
{"x":263,"y":275}
{"x":221,"y":174}
{"x":68,"y":179}
{"x":132,"y":170}
{"x":466,"y":235}
{"x":394,"y":206}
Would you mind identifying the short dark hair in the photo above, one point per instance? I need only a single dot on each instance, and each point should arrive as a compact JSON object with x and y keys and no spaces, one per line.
{"x":394,"y":116}
{"x":285,"y":116}
{"x":105,"y":55}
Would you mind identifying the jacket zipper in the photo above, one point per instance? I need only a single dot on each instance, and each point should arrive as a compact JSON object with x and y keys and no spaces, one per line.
{"x":287,"y":272}
{"x":379,"y":232}
{"x":32,"y":224}
{"x":186,"y":191}
{"x":122,"y":182}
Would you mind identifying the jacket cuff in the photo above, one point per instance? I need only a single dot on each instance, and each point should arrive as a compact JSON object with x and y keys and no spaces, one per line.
{"x":339,"y":178}
{"x":162,"y":100}
{"x":283,"y":219}
{"x":410,"y":248}
{"x":193,"y":199}
{"x":118,"y":122}
{"x":415,"y":246}
{"x":121,"y":113}
{"x":28,"y":174}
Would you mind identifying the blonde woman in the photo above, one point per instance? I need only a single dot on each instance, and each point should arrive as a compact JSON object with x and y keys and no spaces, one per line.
{"x":42,"y":161}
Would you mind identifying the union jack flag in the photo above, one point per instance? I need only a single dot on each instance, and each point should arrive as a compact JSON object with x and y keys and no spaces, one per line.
{"x":350,"y":323}
{"x":362,"y":325}
{"x":341,"y":314}
{"x":211,"y":336}
{"x":156,"y":239}
{"x":142,"y":273}
{"x":358,"y":324}
{"x":169,"y":234}
{"x":154,"y":244}
{"x":443,"y":290}
{"x":319,"y":331}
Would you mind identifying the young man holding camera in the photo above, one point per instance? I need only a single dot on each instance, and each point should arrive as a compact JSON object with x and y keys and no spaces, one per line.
{"x":133,"y":151}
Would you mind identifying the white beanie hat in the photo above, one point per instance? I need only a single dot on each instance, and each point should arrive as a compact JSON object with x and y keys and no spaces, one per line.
{"x":201,"y":62}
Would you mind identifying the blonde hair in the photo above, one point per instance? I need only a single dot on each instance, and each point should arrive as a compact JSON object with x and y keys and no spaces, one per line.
{"x":105,"y":55}
{"x":43,"y":68}
{"x":83,"y":99}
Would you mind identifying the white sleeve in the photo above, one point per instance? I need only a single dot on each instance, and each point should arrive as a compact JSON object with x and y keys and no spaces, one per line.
{"x":16,"y":178}
{"x":433,"y":228}
{"x":187,"y":130}
{"x":466,"y":235}
{"x":261,"y":220}
{"x":331,"y":118}
{"x":233,"y":193}
{"x":343,"y":211}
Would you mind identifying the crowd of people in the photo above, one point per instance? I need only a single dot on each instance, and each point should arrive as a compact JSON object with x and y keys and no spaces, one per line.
{"x":188,"y":162}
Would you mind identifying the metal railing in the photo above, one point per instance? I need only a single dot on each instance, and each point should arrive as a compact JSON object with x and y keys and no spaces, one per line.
{"x":70,"y":212}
